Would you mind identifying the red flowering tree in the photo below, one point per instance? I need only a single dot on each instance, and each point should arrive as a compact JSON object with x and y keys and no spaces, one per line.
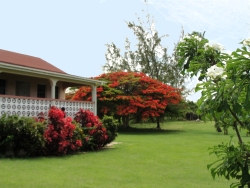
{"x":128,"y":95}
{"x":59,"y":134}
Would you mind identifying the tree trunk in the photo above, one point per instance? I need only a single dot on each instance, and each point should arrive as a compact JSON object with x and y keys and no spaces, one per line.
{"x":225,"y":130}
{"x":217,"y":124}
{"x":125,"y":122}
{"x":158,"y":123}
{"x":237,"y":132}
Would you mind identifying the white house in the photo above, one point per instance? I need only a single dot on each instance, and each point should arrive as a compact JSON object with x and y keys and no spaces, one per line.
{"x":30,"y":85}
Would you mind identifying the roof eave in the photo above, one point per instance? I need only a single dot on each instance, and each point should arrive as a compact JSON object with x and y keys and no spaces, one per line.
{"x":15,"y":69}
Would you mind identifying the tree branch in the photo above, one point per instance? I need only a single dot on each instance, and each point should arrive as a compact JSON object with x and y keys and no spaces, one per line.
{"x":236,"y":118}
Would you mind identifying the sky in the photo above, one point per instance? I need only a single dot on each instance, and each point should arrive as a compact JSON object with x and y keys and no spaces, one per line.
{"x":72,"y":35}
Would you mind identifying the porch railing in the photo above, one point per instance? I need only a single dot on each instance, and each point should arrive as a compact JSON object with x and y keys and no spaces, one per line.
{"x":28,"y":106}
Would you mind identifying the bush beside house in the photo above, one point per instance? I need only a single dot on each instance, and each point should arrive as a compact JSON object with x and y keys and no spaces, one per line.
{"x":21,"y":134}
{"x":56,"y":135}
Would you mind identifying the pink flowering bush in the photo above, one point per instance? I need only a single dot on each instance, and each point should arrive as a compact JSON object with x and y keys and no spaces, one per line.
{"x":54,"y":135}
{"x":61,"y":135}
{"x":95,"y":133}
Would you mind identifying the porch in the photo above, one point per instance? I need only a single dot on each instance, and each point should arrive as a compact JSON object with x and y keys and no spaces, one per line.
{"x":29,"y":106}
{"x":30,"y":85}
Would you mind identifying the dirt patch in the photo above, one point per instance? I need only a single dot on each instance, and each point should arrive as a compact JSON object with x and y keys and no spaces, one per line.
{"x":113,"y":143}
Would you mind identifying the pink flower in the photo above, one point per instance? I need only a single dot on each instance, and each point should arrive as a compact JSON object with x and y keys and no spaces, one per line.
{"x":79,"y":143}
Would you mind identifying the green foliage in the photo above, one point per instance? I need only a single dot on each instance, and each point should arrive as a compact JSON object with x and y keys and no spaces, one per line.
{"x":21,"y":134}
{"x":111,"y":125}
{"x":185,"y":110}
{"x":194,"y":56}
{"x":78,"y":133}
{"x":233,"y":162}
{"x":225,"y":89}
{"x":176,"y":111}
{"x":150,"y":56}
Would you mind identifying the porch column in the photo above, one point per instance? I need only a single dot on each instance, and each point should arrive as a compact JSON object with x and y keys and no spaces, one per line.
{"x":53,"y":89}
{"x":94,"y":99}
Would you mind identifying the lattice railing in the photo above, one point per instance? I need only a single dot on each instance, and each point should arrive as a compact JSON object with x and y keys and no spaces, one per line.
{"x":26,"y":106}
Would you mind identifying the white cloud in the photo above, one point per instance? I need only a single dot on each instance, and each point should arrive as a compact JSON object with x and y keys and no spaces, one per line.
{"x":226,"y":21}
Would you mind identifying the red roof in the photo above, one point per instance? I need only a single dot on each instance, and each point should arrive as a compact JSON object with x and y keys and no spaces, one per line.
{"x":27,"y":61}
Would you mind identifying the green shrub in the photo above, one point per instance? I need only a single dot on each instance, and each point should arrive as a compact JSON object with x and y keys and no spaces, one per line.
{"x":6,"y":133}
{"x":36,"y":136}
{"x":111,"y":125}
{"x":21,"y":134}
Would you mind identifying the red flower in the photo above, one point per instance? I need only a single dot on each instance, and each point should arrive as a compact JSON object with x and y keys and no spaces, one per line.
{"x":79,"y":143}
{"x":59,"y":133}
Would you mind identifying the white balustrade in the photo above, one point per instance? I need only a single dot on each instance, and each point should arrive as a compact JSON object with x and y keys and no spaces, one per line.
{"x":25,"y":106}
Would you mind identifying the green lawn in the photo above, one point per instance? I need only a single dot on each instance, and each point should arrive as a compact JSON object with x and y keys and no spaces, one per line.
{"x":174,"y":158}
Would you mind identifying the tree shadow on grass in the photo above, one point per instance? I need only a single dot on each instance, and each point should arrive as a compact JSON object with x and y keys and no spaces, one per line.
{"x":148,"y":131}
{"x":69,"y":154}
{"x":48,"y":157}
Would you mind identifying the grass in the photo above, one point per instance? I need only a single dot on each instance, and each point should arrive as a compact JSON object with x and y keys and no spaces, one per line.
{"x":175,"y":157}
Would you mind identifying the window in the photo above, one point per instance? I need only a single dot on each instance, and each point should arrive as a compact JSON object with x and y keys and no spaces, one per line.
{"x":56,"y":92}
{"x":41,"y":91}
{"x":22,"y":88}
{"x":2,"y":86}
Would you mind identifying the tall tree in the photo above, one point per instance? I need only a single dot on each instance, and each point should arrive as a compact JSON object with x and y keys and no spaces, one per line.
{"x":131,"y":95}
{"x":150,"y":56}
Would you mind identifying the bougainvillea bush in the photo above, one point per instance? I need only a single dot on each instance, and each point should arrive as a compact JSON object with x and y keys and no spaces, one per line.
{"x":56,"y":135}
{"x":111,"y":125}
{"x":96,"y":135}
{"x":60,"y":134}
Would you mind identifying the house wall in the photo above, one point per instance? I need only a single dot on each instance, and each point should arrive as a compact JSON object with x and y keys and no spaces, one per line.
{"x":28,"y":106}
{"x":11,"y":80}
{"x":61,"y":90}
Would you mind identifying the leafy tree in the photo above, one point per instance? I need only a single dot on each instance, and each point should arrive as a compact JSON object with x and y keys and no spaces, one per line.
{"x":150,"y":57}
{"x":191,"y":111}
{"x":225,"y":86}
{"x":129,"y":95}
{"x":183,"y":110}
{"x":70,"y":91}
{"x":195,"y":55}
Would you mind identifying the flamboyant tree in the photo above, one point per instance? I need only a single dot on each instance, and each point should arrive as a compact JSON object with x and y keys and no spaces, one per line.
{"x":128,"y":95}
